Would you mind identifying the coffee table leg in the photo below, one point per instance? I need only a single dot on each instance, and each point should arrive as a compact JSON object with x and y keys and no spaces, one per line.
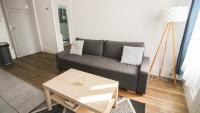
{"x":64,"y":110}
{"x":48,"y":99}
{"x":115,"y":97}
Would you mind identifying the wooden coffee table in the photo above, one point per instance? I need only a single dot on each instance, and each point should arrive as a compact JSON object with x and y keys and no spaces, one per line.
{"x":94,"y":94}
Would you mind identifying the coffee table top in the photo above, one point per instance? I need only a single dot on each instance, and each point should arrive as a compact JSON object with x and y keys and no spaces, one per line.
{"x":96,"y":92}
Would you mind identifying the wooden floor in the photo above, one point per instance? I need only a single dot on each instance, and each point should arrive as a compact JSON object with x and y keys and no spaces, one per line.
{"x":161,"y":97}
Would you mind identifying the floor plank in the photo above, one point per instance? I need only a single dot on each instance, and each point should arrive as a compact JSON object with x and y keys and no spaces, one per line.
{"x":161,"y":96}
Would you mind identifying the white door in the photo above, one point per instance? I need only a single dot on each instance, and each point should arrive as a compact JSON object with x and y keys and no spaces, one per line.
{"x":22,"y":26}
{"x":46,"y":25}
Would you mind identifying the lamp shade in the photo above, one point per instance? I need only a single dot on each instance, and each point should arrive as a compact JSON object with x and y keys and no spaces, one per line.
{"x":175,"y":14}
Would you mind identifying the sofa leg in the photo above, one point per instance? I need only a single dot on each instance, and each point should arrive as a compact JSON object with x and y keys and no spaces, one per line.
{"x":129,"y":91}
{"x":133,"y":92}
{"x":60,"y":70}
{"x":140,"y":94}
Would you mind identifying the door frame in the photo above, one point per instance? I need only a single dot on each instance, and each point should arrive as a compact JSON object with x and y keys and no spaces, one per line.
{"x":10,"y":29}
{"x":7,"y":28}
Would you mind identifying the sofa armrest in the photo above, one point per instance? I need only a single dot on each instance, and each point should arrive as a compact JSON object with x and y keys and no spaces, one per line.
{"x":145,"y":65}
{"x":143,"y":76}
{"x":58,"y":62}
{"x":68,"y":48}
{"x":65,"y":52}
{"x":60,"y":55}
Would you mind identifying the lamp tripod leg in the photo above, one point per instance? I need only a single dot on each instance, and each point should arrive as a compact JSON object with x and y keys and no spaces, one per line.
{"x":158,"y":49}
{"x":164,"y":53}
{"x":174,"y":53}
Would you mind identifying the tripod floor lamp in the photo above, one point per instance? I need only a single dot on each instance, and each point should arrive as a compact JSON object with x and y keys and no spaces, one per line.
{"x":171,"y":16}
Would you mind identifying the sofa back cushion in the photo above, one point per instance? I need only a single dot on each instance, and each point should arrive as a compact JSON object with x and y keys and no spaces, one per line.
{"x":114,"y":49}
{"x":92,"y":47}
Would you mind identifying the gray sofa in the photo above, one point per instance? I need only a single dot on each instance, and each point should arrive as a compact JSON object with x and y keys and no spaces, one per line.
{"x":103,"y":58}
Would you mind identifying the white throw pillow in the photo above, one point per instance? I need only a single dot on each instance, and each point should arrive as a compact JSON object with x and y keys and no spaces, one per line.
{"x":132,"y":55}
{"x":77,"y":47}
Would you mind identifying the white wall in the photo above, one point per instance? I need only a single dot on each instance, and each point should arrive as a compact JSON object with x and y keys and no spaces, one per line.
{"x":125,"y":20}
{"x":4,"y":34}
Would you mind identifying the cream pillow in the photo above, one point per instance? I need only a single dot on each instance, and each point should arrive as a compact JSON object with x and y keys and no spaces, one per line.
{"x":132,"y":55}
{"x":77,"y":47}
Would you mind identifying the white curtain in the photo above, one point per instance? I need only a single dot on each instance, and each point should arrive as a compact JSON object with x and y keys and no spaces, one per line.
{"x":191,"y":65}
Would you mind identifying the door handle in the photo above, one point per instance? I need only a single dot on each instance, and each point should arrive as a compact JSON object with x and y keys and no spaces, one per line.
{"x":12,"y":28}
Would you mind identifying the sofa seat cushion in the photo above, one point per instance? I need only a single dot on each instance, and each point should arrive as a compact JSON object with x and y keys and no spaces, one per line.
{"x":122,"y":71}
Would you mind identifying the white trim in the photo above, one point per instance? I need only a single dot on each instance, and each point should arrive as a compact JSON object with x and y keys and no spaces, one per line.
{"x":58,"y":35}
{"x":37,"y":25}
{"x":70,"y":21}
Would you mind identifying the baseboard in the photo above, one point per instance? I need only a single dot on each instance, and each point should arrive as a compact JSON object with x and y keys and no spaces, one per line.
{"x":166,"y":72}
{"x":49,"y":51}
